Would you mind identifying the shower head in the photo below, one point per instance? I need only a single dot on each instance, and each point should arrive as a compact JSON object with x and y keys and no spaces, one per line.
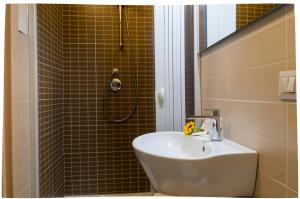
{"x":121,"y":46}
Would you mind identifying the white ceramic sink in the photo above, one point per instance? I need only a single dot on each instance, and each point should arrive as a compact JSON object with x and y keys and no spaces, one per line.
{"x":195,"y":166}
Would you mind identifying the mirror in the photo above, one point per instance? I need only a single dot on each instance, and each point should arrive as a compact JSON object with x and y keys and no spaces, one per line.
{"x":216,"y":22}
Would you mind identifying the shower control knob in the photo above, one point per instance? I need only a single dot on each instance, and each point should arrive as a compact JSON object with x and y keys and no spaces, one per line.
{"x":115,"y":71}
{"x":115,"y":85}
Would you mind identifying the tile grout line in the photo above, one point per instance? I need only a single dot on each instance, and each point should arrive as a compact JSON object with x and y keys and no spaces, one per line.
{"x":287,"y":112}
{"x":250,"y":101}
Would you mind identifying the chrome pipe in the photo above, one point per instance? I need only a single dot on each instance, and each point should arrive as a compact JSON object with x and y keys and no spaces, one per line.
{"x":120,"y":15}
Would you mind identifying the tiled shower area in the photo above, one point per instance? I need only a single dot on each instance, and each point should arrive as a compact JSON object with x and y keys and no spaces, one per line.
{"x":80,"y":152}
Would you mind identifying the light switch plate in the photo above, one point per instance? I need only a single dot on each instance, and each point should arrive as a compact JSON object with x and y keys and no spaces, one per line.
{"x":287,"y":85}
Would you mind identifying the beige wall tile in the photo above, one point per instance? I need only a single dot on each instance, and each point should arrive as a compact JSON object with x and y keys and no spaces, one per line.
{"x":213,"y":65}
{"x":292,"y":168}
{"x":291,"y":193}
{"x":291,"y":64}
{"x":265,"y":46}
{"x":203,"y":68}
{"x":263,"y":119}
{"x":262,"y":47}
{"x":242,"y":137}
{"x":271,"y":155}
{"x":267,"y":187}
{"x":245,"y":72}
{"x":292,"y":124}
{"x":272,"y":159}
{"x":260,"y":126}
{"x":215,"y":87}
{"x":259,"y":83}
{"x":291,"y":47}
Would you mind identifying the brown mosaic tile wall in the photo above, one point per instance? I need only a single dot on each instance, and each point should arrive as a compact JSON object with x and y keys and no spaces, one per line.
{"x":202,"y":27}
{"x":99,"y":158}
{"x":246,"y":13}
{"x":50,"y":78}
{"x":189,"y":59}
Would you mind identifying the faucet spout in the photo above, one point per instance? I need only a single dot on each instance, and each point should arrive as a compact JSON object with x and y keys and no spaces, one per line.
{"x":215,"y":135}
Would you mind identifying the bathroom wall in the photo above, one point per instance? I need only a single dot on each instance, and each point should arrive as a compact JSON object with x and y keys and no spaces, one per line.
{"x":99,"y":158}
{"x":240,"y":77}
{"x":189,"y":59}
{"x":79,"y":151}
{"x":50,"y":88}
{"x":7,"y":178}
{"x":202,"y":27}
{"x":18,"y":115}
{"x":19,"y":171}
{"x":246,"y":13}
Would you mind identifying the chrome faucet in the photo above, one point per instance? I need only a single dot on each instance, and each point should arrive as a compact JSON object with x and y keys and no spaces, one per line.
{"x":216,"y":134}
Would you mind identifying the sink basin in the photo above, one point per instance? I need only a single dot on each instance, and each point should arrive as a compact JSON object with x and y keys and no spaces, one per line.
{"x":194,"y":166}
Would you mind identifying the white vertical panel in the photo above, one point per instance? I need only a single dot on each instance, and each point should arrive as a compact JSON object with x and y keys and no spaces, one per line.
{"x":176,"y":68}
{"x":169,"y":67}
{"x":20,"y":111}
{"x":231,"y":15}
{"x":23,"y":18}
{"x":231,"y":23}
{"x":159,"y":22}
{"x":212,"y":12}
{"x":182,"y":65}
{"x":227,"y":20}
{"x":221,"y":21}
{"x":33,"y":61}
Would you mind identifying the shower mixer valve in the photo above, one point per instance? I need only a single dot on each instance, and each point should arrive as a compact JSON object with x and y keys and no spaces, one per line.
{"x":115,"y":83}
